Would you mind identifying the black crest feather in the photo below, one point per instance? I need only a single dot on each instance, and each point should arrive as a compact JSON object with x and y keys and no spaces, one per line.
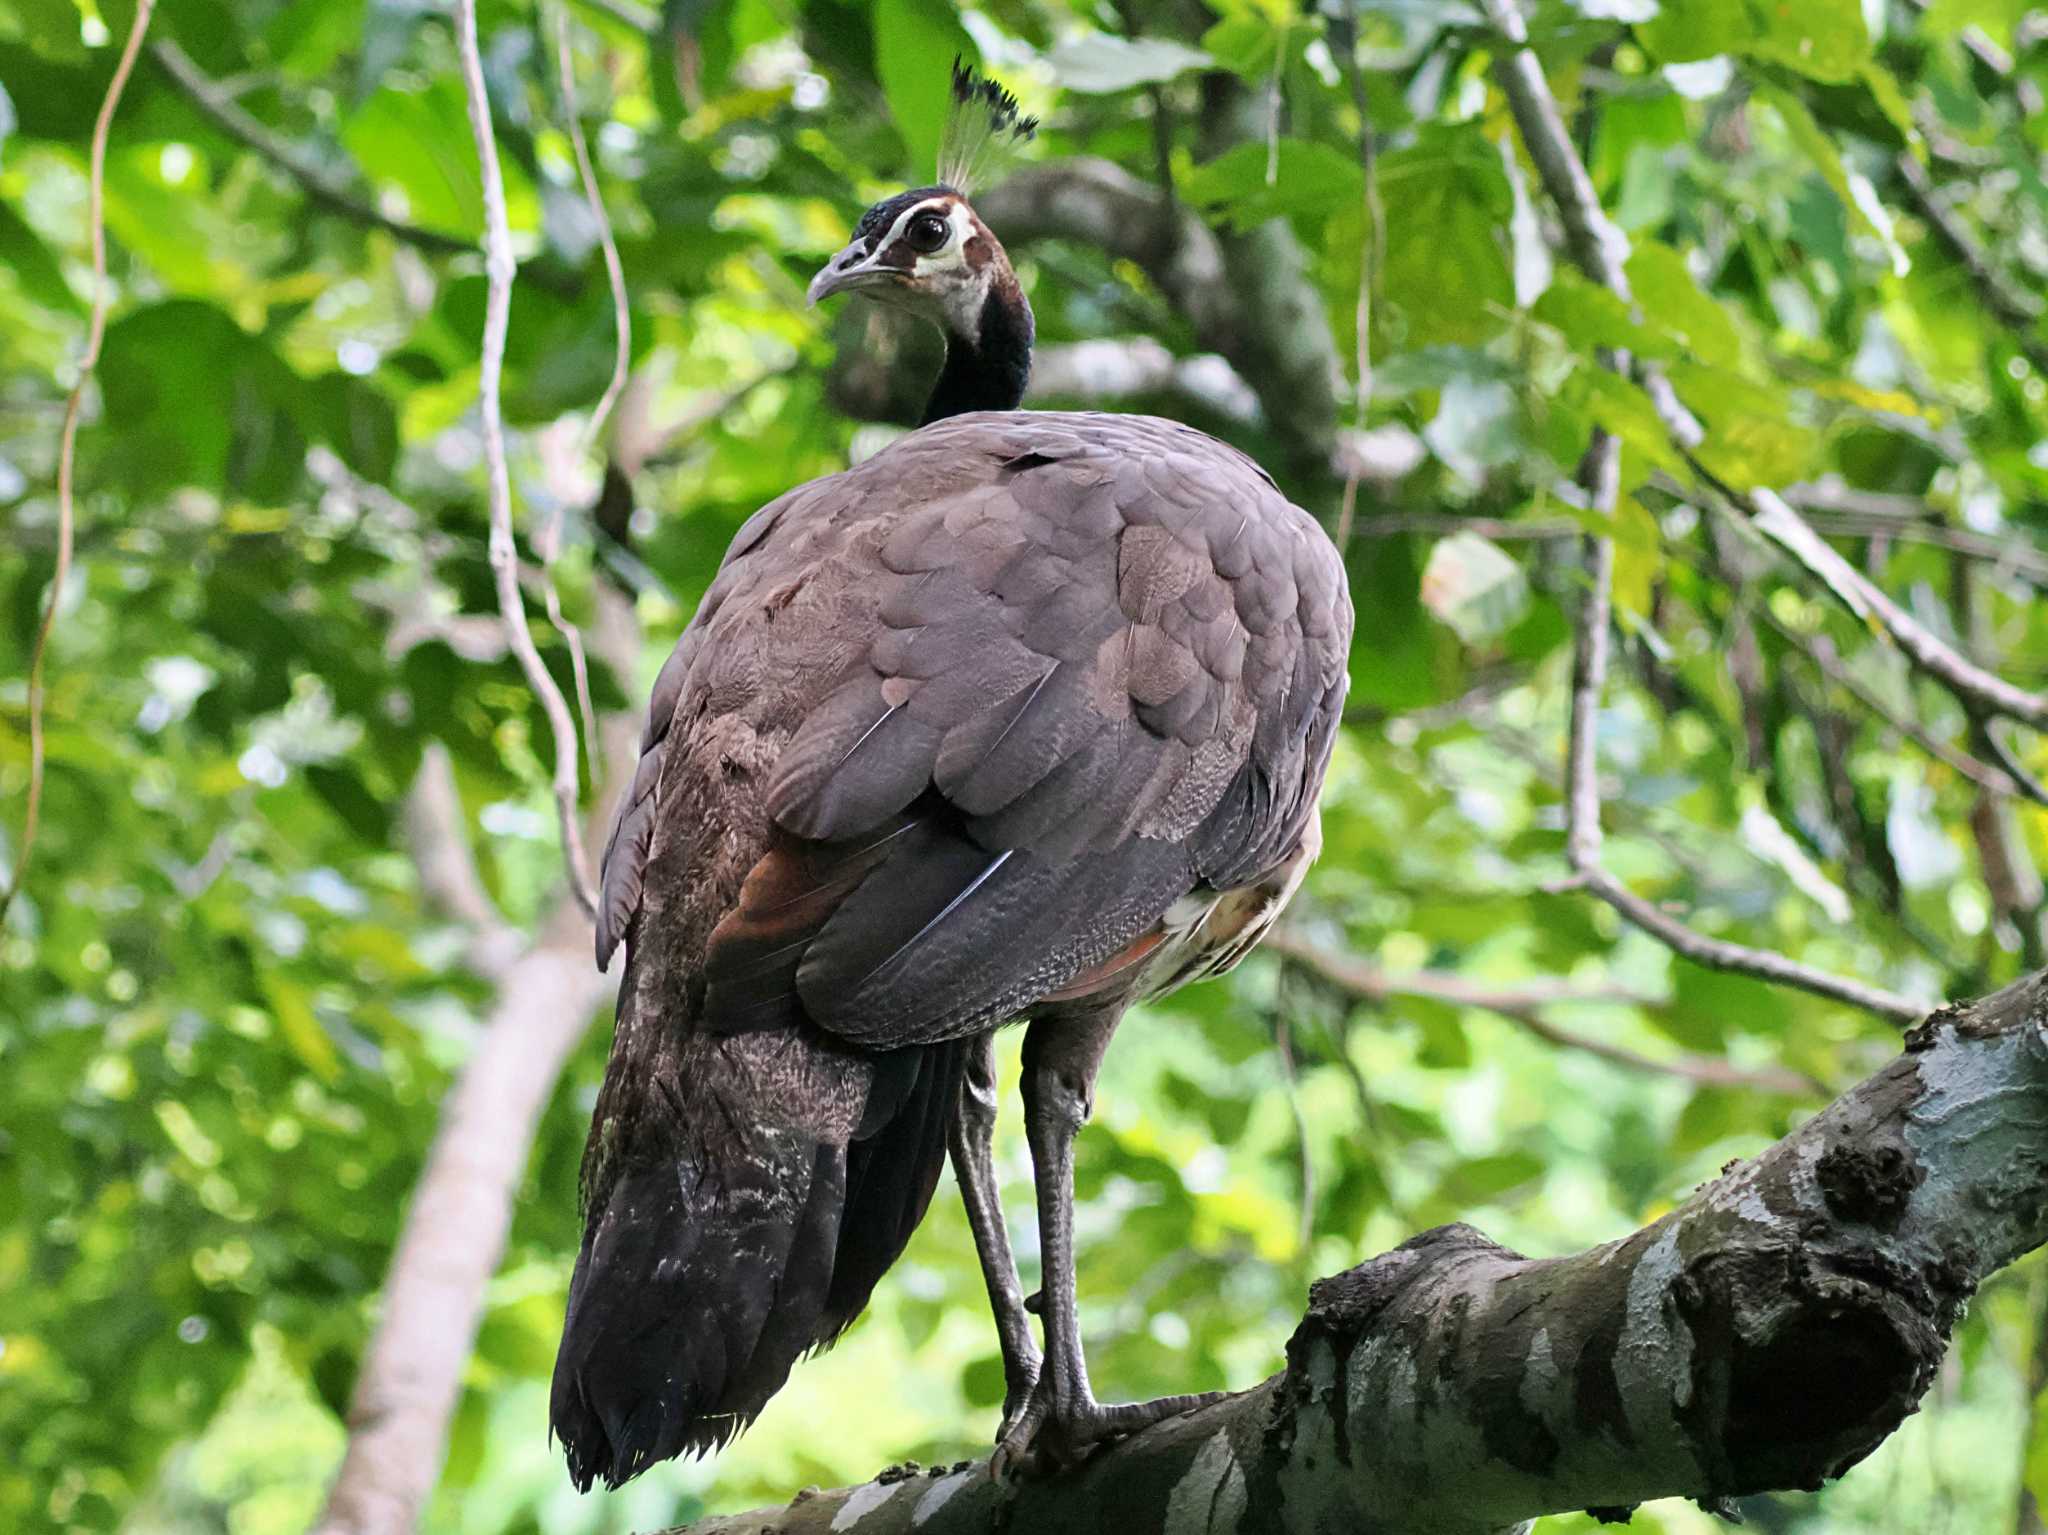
{"x":983,"y":127}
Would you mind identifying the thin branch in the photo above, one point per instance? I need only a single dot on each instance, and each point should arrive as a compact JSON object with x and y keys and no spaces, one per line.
{"x":614,"y":269}
{"x":499,"y":267}
{"x":67,"y":442}
{"x":2010,"y":552}
{"x":1597,"y":246}
{"x":1595,"y":243}
{"x":1523,"y":1004}
{"x":1601,"y":475}
{"x":434,"y":1295}
{"x":1444,"y":525}
{"x":622,"y":358}
{"x":1582,"y":801}
{"x":2019,"y":312}
{"x":1821,"y":651}
{"x":1978,"y":688}
{"x":220,"y":108}
{"x":1283,"y":1042}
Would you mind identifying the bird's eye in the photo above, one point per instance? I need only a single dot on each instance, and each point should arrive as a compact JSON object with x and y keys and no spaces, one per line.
{"x":927,"y":232}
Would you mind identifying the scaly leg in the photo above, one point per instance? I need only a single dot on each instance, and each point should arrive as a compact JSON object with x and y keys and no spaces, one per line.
{"x":1063,"y":1421}
{"x":970,"y":1138}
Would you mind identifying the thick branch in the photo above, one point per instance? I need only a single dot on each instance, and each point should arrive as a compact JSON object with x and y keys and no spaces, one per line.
{"x":1272,"y":332}
{"x":1767,"y":1334}
{"x":1107,"y":370}
{"x":434,"y":831}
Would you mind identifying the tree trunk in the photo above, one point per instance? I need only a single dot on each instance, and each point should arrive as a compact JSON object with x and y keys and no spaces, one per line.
{"x":1767,"y":1334}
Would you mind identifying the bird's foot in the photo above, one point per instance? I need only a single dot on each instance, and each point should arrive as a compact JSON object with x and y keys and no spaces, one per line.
{"x":1050,"y":1436}
{"x":1020,"y":1390}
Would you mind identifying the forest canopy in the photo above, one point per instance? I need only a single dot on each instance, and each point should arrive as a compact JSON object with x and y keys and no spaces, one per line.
{"x":298,"y":859}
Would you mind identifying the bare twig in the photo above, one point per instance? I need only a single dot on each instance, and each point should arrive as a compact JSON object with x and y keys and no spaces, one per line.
{"x":1595,"y":243}
{"x":67,"y":442}
{"x":1582,"y":832}
{"x":1443,"y":524}
{"x":1523,"y":1004}
{"x":321,"y":185}
{"x":435,"y":1292}
{"x":499,"y":266}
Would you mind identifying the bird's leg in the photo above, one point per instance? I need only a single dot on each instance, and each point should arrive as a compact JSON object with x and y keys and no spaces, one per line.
{"x":1063,"y":1421}
{"x":970,"y":1138}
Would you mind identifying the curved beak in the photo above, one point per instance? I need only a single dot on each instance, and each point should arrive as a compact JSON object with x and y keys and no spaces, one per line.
{"x":853,"y":267}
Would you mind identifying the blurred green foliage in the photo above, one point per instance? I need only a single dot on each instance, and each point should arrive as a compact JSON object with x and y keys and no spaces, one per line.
{"x":226,"y":1016}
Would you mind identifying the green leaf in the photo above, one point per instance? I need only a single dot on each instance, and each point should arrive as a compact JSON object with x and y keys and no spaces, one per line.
{"x":301,"y":1027}
{"x":418,"y":143}
{"x":1822,"y":39}
{"x":34,"y":268}
{"x":1674,"y":305}
{"x":1446,"y":276}
{"x":1592,"y":317}
{"x":1474,"y":586}
{"x":1622,"y":407}
{"x":198,"y":401}
{"x":1099,"y":63}
{"x":1750,"y":439}
{"x":1245,"y":45}
{"x":916,"y":42}
{"x":1306,"y":179}
{"x":359,"y":810}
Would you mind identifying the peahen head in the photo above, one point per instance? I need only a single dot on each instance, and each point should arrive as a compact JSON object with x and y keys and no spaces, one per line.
{"x":927,"y":251}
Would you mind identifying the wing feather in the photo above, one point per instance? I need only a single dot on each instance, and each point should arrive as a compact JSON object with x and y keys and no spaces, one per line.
{"x":1074,"y":666}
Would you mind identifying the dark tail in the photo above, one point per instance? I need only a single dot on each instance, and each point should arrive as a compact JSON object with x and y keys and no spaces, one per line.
{"x":708,"y":1269}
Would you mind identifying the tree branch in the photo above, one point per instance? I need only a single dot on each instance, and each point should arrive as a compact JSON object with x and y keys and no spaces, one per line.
{"x":499,"y":266}
{"x":1257,"y":328}
{"x":1119,"y":369}
{"x":1767,"y":1334}
{"x":2017,"y":311}
{"x":1978,"y":688}
{"x":329,"y":191}
{"x":1523,"y":1004}
{"x":447,"y":870}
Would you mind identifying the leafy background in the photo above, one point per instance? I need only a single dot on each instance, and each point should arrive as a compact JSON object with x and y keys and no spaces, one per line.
{"x":227,"y":1014}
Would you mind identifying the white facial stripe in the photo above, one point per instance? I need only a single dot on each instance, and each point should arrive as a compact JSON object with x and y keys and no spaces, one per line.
{"x":930,"y":205}
{"x":953,"y":254}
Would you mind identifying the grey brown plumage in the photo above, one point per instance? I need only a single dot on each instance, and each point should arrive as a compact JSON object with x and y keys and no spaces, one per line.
{"x":952,"y":732}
